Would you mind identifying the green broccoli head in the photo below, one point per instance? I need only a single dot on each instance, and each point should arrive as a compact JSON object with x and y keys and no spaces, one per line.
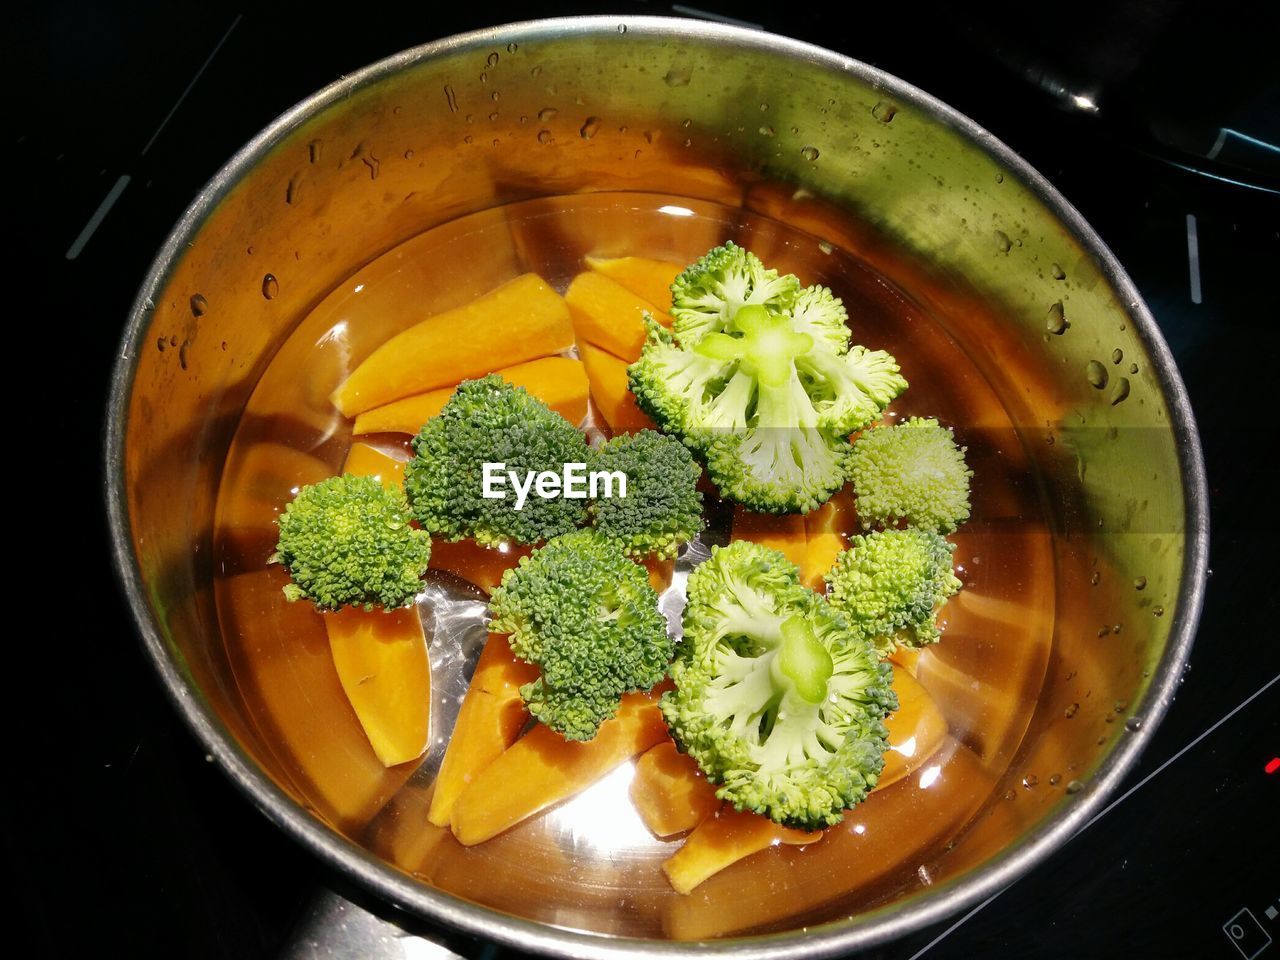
{"x":662,"y":508}
{"x":891,"y":584}
{"x":587,"y":617}
{"x":707,"y":295}
{"x":348,"y":541}
{"x":777,"y":697}
{"x":821,"y":314}
{"x":912,"y":471}
{"x":769,"y":406}
{"x":490,"y":421}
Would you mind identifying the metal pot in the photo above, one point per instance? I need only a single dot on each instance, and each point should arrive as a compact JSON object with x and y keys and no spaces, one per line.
{"x":978,"y":238}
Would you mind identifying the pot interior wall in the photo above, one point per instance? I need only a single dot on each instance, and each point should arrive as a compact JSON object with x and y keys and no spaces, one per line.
{"x":864,"y":167}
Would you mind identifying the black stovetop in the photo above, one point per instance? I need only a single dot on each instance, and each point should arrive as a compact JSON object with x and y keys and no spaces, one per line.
{"x":120,"y":833}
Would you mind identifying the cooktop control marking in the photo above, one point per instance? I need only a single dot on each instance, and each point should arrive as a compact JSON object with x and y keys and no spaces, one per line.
{"x":1246,"y":933}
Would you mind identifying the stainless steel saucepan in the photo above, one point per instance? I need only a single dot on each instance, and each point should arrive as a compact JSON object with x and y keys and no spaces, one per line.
{"x":859,"y":160}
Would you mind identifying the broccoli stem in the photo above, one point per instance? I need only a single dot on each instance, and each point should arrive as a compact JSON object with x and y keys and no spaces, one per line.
{"x":801,"y":663}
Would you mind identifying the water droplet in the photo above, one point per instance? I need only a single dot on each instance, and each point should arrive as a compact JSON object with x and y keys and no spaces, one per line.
{"x":199,"y":305}
{"x":766,"y":131}
{"x":1121,"y":706}
{"x":589,"y":128}
{"x":1120,"y":391}
{"x":764,"y":108}
{"x":825,"y":247}
{"x":512,"y":47}
{"x":408,"y":154}
{"x":492,"y":59}
{"x":1095,"y":579}
{"x":677,"y":77}
{"x":544,"y":136}
{"x":1116,"y":628}
{"x":1030,"y":780}
{"x":688,"y":142}
{"x":395,"y":111}
{"x":1010,"y":795}
{"x":1003,"y":243}
{"x":1158,"y":611}
{"x":1055,"y":320}
{"x":451,"y":98}
{"x":173,"y":340}
{"x":495,"y":96}
{"x":535,"y":71}
{"x":496,"y":141}
{"x":1055,"y":779}
{"x":373,"y":163}
{"x":650,"y":136}
{"x":686,"y":123}
{"x":1133,"y":368}
{"x":1096,"y":374}
{"x":795,"y":129}
{"x":1140,"y":583}
{"x":270,"y":286}
{"x":161,"y":344}
{"x":468,"y":139}
{"x":1058,"y":272}
{"x":182,"y":353}
{"x":294,"y":187}
{"x":1071,"y":711}
{"x":1075,"y":786}
{"x":547,"y":114}
{"x":884,"y":111}
{"x":1133,"y":724}
{"x":999,"y":178}
{"x":494,"y":115}
{"x":224,"y":346}
{"x":809,"y":153}
{"x":249,"y":251}
{"x":622,"y":28}
{"x":1117,"y":355}
{"x":484,"y":78}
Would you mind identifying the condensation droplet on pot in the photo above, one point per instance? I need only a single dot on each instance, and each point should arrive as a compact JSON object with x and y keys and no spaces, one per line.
{"x":884,"y":111}
{"x":650,"y":136}
{"x":589,"y":128}
{"x":1116,"y":628}
{"x":173,"y":340}
{"x":484,"y":78}
{"x":1071,"y":710}
{"x":1158,"y":611}
{"x":495,"y":96}
{"x":494,"y":115}
{"x":1117,"y":355}
{"x":270,"y":286}
{"x":764,"y":108}
{"x":677,"y":77}
{"x":182,"y":353}
{"x":496,"y":141}
{"x":686,"y":123}
{"x":766,"y":131}
{"x":622,"y":28}
{"x":688,"y":142}
{"x":1133,"y":724}
{"x":547,"y":114}
{"x":1058,"y":272}
{"x":408,"y":154}
{"x":199,"y":305}
{"x":1055,"y":321}
{"x":1133,"y":368}
{"x":544,"y":136}
{"x":1075,"y":786}
{"x":1140,"y":583}
{"x":1055,"y":779}
{"x":451,"y":98}
{"x":999,"y":178}
{"x":492,"y":59}
{"x":809,"y":153}
{"x":292,"y":189}
{"x":1003,"y":243}
{"x":314,"y":149}
{"x":825,"y":247}
{"x":512,"y":47}
{"x":161,"y":343}
{"x":1095,"y":579}
{"x":1120,"y":392}
{"x":1010,"y":795}
{"x":373,"y":163}
{"x":468,"y":139}
{"x":1096,"y":374}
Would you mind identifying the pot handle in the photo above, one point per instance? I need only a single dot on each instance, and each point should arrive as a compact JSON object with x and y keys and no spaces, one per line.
{"x":334,"y":928}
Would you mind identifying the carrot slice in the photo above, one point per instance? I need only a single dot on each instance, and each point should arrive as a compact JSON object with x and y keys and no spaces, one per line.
{"x":542,"y":768}
{"x":521,"y":320}
{"x":489,"y":721}
{"x":916,"y":730}
{"x":608,"y":315}
{"x":723,"y":839}
{"x":648,"y":279}
{"x":670,"y":792}
{"x":827,"y":530}
{"x":783,"y":532}
{"x":381,"y":655}
{"x":483,"y":566}
{"x":559,"y":382}
{"x":611,"y":391}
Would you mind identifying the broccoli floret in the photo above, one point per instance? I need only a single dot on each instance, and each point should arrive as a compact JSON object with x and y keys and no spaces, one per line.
{"x":662,"y":508}
{"x":777,"y":697}
{"x":588,"y":618}
{"x":891,"y":584}
{"x":912,"y":471}
{"x":707,"y":295}
{"x":490,"y":421}
{"x":768,"y":406}
{"x":348,"y":541}
{"x":821,"y":314}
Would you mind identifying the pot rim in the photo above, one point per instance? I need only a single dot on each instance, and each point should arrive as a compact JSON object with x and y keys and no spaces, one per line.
{"x":875,"y":927}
